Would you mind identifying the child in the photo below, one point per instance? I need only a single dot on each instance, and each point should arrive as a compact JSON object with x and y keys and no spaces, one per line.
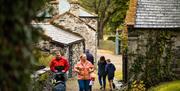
{"x":110,"y":69}
{"x":91,"y":81}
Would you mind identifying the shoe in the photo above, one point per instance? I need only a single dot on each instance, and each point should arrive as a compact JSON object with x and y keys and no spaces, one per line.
{"x":101,"y":87}
{"x":114,"y":86}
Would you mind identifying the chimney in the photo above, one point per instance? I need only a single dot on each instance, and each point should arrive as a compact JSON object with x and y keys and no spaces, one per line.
{"x":54,"y":6}
{"x":74,"y":7}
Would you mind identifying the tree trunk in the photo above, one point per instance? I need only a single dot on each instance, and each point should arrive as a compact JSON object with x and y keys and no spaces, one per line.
{"x":100,"y":30}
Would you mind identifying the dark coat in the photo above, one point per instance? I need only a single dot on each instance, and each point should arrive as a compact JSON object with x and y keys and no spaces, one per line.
{"x":101,"y":68}
{"x":90,"y":57}
{"x":110,"y":69}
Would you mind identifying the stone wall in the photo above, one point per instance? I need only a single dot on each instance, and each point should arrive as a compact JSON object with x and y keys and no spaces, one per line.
{"x":76,"y":25}
{"x":138,"y":43}
{"x":91,"y":21}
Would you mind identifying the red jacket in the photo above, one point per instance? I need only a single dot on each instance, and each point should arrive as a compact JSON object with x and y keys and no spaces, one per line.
{"x":61,"y":62}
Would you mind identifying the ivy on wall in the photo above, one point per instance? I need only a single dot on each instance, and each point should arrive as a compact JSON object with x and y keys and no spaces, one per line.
{"x":153,"y":60}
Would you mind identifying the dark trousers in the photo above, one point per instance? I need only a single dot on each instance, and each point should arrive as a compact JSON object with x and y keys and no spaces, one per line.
{"x":90,"y":88}
{"x":83,"y":85}
{"x":102,"y":80}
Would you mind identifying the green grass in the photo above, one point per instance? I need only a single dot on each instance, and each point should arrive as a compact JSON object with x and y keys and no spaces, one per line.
{"x":118,"y":75}
{"x":168,"y":86}
{"x":107,"y":45}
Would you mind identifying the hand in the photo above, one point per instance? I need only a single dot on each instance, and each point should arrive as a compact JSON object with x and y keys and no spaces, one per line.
{"x":55,"y":71}
{"x":63,"y":71}
{"x":79,"y":73}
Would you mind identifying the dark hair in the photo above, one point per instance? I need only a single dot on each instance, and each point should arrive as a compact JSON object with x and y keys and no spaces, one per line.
{"x":102,"y":59}
{"x":87,"y":51}
{"x":108,"y":60}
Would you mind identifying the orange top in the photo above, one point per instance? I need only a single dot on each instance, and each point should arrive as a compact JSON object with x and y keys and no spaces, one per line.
{"x":84,"y":70}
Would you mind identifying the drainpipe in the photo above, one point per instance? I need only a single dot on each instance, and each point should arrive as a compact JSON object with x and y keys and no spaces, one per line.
{"x":117,"y":43}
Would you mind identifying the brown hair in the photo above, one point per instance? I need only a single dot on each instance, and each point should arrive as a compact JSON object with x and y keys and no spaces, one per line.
{"x":108,"y":60}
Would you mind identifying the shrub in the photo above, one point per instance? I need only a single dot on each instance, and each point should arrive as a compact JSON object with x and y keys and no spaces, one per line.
{"x":138,"y":86}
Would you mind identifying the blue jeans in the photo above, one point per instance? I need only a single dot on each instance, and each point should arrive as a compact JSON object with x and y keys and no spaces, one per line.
{"x":102,"y":78}
{"x":83,"y":85}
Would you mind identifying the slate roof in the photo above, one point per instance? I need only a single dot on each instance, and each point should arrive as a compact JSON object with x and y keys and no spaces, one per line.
{"x":44,"y":14}
{"x":64,"y":6}
{"x":158,"y":14}
{"x":59,"y":35}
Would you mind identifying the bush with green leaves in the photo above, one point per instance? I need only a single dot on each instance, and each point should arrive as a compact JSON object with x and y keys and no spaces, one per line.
{"x":137,"y":86}
{"x":16,"y":39}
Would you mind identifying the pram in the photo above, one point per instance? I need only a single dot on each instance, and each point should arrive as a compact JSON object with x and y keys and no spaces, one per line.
{"x":59,"y":79}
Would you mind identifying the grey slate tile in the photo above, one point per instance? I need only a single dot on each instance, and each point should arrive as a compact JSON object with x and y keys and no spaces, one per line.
{"x":158,"y":13}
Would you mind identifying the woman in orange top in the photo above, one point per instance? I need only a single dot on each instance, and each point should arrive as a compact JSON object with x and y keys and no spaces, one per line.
{"x":83,"y":68}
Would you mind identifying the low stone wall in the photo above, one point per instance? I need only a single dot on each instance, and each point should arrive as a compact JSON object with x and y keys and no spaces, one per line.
{"x":41,"y":80}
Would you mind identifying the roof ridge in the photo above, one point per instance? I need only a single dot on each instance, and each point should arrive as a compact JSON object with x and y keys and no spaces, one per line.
{"x":56,"y":17}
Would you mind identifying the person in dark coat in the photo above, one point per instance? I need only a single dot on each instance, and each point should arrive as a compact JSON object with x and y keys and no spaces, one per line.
{"x":89,"y":56}
{"x":110,"y":70}
{"x":101,"y":72}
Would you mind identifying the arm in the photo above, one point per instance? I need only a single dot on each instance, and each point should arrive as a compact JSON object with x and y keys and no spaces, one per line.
{"x":106,"y":68}
{"x":76,"y":69}
{"x":92,"y":68}
{"x":114,"y":67}
{"x":66,"y":68}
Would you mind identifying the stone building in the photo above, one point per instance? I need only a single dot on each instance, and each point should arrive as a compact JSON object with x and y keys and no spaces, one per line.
{"x":75,"y":18}
{"x":153,"y":26}
{"x":69,"y":43}
{"x":48,"y":11}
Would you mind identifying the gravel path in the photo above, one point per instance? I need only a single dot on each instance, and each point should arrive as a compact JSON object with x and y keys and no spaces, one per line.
{"x":116,"y":59}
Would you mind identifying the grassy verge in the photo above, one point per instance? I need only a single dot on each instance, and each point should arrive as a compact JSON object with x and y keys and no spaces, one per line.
{"x":168,"y":86}
{"x":107,"y":45}
{"x":118,"y":75}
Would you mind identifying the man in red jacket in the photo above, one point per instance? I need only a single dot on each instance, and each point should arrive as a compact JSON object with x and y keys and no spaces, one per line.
{"x":59,"y":61}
